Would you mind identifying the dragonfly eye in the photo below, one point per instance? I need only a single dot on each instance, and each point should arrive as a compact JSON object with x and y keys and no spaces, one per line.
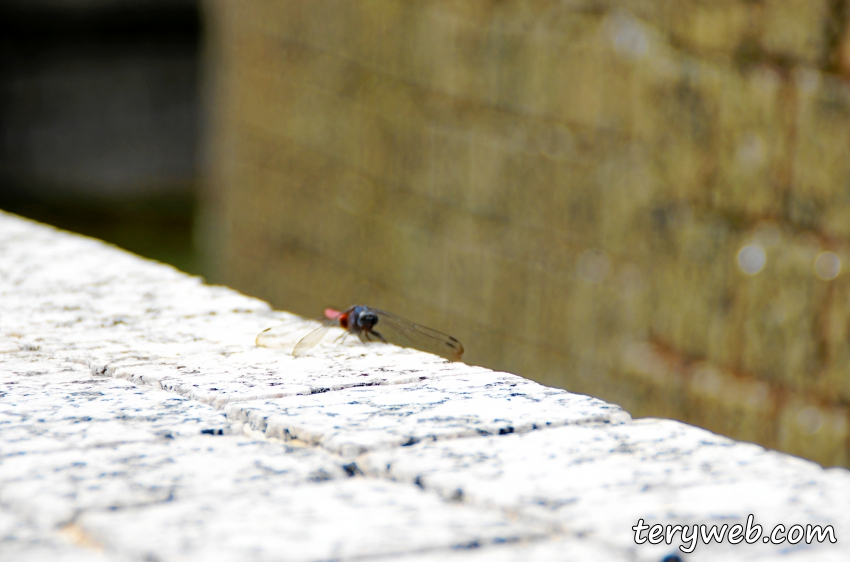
{"x":368,"y":320}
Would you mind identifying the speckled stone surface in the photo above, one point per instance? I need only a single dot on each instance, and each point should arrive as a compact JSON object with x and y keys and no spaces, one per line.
{"x":138,"y":421}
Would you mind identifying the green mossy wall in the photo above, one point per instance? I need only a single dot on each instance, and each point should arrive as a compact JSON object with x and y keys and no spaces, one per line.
{"x":566,"y":186}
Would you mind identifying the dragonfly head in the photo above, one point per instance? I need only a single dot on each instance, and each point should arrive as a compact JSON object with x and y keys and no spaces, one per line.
{"x":368,"y":320}
{"x":365,"y":319}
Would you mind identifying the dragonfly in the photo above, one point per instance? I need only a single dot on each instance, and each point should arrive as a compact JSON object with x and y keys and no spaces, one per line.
{"x":369,"y":325}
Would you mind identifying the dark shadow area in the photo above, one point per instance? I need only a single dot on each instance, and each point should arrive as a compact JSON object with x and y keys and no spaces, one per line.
{"x":99,"y":120}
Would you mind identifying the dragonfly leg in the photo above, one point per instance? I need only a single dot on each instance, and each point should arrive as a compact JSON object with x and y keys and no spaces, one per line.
{"x":380,"y":337}
{"x":341,"y":338}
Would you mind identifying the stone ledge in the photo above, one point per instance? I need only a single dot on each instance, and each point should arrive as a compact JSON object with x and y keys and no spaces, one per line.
{"x":139,"y":421}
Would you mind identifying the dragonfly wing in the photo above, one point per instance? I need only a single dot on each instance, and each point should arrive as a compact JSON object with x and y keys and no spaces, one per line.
{"x":288,"y":335}
{"x":277,"y":337}
{"x":404,"y":332}
{"x":312,"y":339}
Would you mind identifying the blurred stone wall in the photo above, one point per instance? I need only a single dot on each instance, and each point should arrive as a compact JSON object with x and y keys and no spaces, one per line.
{"x":647,"y":201}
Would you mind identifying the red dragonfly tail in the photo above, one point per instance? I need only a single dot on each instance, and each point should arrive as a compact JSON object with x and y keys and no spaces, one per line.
{"x":332,"y":314}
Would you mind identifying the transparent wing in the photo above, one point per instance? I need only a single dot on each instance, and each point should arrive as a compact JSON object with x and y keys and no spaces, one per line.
{"x":310,"y":341}
{"x":284,"y":335}
{"x":407,"y":334}
{"x":292,"y":334}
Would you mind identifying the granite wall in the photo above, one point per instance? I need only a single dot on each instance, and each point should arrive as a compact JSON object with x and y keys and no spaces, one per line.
{"x":647,"y":201}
